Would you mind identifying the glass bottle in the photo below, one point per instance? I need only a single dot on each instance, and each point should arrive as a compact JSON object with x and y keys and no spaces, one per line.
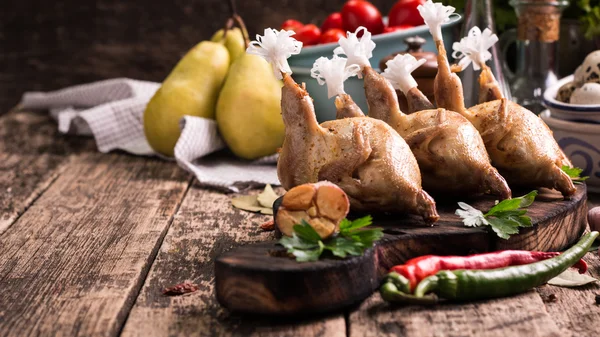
{"x":479,"y":13}
{"x":537,"y":50}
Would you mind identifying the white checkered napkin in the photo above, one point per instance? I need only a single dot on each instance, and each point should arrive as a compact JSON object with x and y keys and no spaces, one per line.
{"x":112,"y":112}
{"x":109,"y":110}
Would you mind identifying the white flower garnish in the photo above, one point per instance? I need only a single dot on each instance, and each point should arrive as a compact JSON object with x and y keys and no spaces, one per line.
{"x":358,"y":51}
{"x":434,"y":15}
{"x":276,"y":47}
{"x":472,"y":217}
{"x":333,"y":72}
{"x":399,"y":69}
{"x":474,"y":48}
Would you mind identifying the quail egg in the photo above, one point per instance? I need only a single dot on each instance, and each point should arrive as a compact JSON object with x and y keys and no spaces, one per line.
{"x":589,"y":71}
{"x":579,"y":76}
{"x":565,"y":91}
{"x":588,"y":94}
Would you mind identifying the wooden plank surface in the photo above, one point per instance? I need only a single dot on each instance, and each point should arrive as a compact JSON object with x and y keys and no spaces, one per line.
{"x":205,"y":226}
{"x":521,"y":315}
{"x":545,"y":311}
{"x":574,"y":313}
{"x":73,"y":263}
{"x":575,"y":310}
{"x":32,"y":155}
{"x":86,"y":227}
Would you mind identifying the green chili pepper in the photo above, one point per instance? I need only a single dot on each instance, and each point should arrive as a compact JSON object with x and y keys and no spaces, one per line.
{"x":400,"y":282}
{"x":479,"y":284}
{"x":390,"y":293}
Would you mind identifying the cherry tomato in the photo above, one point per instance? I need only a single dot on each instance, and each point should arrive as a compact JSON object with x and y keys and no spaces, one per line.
{"x":334,"y":20}
{"x":332,"y":35}
{"x":308,"y":35}
{"x":396,"y":28}
{"x":292,"y":25}
{"x":356,"y":13}
{"x":405,"y":12}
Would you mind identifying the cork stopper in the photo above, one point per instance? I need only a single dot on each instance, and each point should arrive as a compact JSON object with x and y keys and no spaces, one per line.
{"x":538,"y":20}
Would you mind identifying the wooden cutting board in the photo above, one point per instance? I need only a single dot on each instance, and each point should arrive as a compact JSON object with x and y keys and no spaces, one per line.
{"x":262,"y":279}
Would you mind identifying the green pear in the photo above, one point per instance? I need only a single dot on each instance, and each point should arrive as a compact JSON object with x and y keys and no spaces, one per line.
{"x":192,"y":88}
{"x":234,"y":41}
{"x":249,"y":109}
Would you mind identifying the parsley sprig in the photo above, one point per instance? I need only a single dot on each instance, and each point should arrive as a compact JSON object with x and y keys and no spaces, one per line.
{"x":505,"y":218}
{"x":306,"y":244}
{"x":574,"y":173}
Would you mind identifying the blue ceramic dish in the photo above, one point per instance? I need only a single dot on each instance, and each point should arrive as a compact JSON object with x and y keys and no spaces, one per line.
{"x":386,"y":44}
{"x":581,"y":143}
{"x":567,"y":111}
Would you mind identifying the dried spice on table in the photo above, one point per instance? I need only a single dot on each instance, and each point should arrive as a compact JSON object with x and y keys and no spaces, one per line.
{"x":180,"y":289}
{"x":571,"y":279}
{"x":262,"y":203}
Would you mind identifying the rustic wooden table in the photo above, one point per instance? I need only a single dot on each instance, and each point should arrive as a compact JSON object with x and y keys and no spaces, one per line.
{"x":89,"y":240}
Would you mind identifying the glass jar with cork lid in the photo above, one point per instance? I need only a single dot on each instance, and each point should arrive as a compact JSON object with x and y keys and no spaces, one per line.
{"x":536,"y":40}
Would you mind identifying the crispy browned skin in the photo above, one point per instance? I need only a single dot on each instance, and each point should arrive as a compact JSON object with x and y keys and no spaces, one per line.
{"x":449,"y":150}
{"x":521,"y":146}
{"x":448,"y":90}
{"x":417,"y":101}
{"x":518,"y":142}
{"x":346,"y":108}
{"x":363,"y":156}
{"x":489,"y":89}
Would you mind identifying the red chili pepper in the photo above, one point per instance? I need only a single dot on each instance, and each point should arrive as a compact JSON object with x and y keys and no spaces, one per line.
{"x":421,"y":267}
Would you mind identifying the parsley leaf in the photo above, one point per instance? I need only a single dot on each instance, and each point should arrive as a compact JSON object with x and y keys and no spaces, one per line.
{"x":348,"y":226}
{"x":308,"y":254}
{"x":306,"y":244}
{"x":306,"y":232}
{"x":303,"y":250}
{"x":513,"y":204}
{"x":504,"y":218}
{"x":294,"y":242}
{"x":471,"y":217}
{"x":574,"y":173}
{"x":341,"y":247}
{"x":502,"y":228}
{"x":367,"y":236}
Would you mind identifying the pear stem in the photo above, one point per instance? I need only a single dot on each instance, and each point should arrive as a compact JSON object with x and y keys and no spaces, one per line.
{"x":228,"y":26}
{"x":242,"y":25}
{"x":232,"y":7}
{"x":238,"y":20}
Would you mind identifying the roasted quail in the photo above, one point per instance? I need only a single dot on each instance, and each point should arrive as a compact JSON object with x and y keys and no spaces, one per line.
{"x":449,"y":150}
{"x":363,"y":156}
{"x":519,"y":143}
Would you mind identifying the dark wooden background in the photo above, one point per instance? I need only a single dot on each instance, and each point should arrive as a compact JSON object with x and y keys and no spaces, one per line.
{"x":47,"y":45}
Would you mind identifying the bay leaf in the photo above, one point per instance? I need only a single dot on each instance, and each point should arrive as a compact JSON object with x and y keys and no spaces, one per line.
{"x":250,"y":203}
{"x":247,"y":203}
{"x":267,"y":197}
{"x":571,"y":278}
{"x":266,"y":210}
